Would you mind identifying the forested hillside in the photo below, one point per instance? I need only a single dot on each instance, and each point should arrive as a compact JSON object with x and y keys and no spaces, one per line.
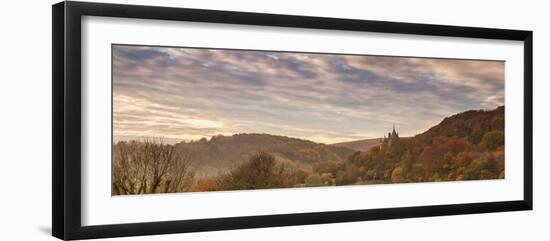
{"x":465,"y":146}
{"x":222,"y":152}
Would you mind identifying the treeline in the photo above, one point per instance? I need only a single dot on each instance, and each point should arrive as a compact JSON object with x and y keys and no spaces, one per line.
{"x":150,"y":166}
{"x":260,"y":172}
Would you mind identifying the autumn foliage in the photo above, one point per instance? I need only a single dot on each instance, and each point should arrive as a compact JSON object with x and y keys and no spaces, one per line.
{"x":466,"y":146}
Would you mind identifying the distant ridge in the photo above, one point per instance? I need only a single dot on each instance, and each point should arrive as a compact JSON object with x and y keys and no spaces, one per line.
{"x":361,"y":145}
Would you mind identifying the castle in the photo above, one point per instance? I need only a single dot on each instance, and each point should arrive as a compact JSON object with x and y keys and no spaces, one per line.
{"x":391,"y":138}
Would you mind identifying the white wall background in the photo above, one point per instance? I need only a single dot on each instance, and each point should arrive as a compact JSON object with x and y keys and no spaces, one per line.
{"x":25,"y":120}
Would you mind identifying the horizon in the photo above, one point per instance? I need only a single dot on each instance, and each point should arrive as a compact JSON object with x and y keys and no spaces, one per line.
{"x":186,"y":94}
{"x":117,"y":139}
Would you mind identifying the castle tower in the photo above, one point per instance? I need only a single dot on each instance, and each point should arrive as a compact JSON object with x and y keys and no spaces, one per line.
{"x":392,"y":136}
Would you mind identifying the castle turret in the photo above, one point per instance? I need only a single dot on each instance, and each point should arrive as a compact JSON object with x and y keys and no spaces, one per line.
{"x":394,"y":133}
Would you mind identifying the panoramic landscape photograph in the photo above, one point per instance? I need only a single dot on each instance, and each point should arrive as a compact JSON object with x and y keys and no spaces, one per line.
{"x":188,"y":119}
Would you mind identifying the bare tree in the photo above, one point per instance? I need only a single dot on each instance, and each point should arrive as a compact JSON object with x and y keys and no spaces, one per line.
{"x":150,"y":167}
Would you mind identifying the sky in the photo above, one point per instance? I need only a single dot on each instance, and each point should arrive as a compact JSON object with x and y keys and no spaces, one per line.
{"x":183,"y":94}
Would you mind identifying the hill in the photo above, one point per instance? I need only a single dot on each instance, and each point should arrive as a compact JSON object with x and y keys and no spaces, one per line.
{"x":471,"y":125}
{"x":222,"y":152}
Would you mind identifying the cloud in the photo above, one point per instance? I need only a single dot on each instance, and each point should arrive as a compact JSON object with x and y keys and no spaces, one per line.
{"x":188,"y":93}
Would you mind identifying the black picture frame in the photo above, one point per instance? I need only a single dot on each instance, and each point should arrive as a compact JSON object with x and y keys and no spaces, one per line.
{"x":66,"y":128}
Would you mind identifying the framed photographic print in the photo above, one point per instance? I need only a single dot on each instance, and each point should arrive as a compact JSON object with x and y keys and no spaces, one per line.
{"x":169,"y":120}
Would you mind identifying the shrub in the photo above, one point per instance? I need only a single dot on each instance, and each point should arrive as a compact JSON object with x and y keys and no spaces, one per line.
{"x":396,"y":175}
{"x":260,"y":172}
{"x":314,"y":180}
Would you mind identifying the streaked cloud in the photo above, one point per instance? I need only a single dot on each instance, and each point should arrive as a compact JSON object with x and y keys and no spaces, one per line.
{"x":190,"y":93}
